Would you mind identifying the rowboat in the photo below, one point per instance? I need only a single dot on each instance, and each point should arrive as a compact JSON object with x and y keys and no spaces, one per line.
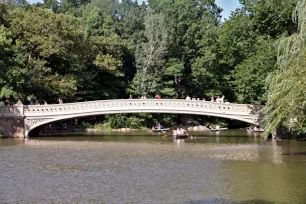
{"x":219,"y":129}
{"x":251,"y":130}
{"x":161,"y":130}
{"x":181,"y":136}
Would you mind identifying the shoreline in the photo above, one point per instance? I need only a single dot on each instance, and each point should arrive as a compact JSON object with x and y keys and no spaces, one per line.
{"x":198,"y":128}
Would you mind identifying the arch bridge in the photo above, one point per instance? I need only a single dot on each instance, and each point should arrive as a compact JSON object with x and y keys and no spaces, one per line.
{"x":20,"y":120}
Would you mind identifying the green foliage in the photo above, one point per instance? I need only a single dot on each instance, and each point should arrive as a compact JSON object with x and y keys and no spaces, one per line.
{"x":105,"y":49}
{"x":45,"y":33}
{"x":191,"y":25}
{"x":42,"y":50}
{"x":271,"y":17}
{"x":6,"y":92}
{"x":174,"y":69}
{"x":102,"y":126}
{"x":250,"y":76}
{"x":286,"y":103}
{"x":236,"y":39}
{"x":3,"y":13}
{"x":247,"y":46}
{"x":116,"y":121}
{"x":135,"y":121}
{"x":84,"y":125}
{"x":51,"y":4}
{"x":108,"y":52}
{"x":93,"y":21}
{"x":150,"y":56}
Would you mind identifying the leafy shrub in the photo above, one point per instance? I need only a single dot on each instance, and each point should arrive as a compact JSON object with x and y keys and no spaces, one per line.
{"x":84,"y":125}
{"x":135,"y":122}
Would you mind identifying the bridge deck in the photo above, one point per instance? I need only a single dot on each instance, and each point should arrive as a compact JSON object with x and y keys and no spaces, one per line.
{"x":37,"y":115}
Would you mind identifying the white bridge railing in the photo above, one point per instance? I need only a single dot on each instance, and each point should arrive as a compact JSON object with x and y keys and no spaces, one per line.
{"x":11,"y":111}
{"x":129,"y":104}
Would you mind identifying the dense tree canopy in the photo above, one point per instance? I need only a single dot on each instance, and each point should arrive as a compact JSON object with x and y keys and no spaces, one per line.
{"x":101,"y":49}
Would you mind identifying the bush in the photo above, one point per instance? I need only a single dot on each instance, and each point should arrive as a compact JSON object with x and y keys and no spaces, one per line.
{"x":84,"y":125}
{"x":115,"y":121}
{"x":135,"y":122}
{"x":103,"y":126}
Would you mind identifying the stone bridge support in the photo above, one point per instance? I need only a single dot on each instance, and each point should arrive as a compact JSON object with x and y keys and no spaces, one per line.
{"x":12,"y":121}
{"x":12,"y":127}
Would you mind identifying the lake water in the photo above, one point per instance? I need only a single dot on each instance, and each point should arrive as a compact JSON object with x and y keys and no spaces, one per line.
{"x":141,"y":167}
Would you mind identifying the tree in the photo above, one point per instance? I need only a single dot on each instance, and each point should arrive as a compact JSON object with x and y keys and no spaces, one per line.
{"x":3,"y":13}
{"x":286,"y":102}
{"x":207,"y":74}
{"x":51,"y":42}
{"x":5,"y":54}
{"x":271,"y":17}
{"x":250,"y":76}
{"x":150,"y":56}
{"x":93,"y":21}
{"x":51,"y":4}
{"x":247,"y":46}
{"x":190,"y":25}
{"x":174,"y":68}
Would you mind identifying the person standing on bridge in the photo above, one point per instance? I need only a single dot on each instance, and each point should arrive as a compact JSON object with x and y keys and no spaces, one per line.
{"x":157,"y":96}
{"x":222,"y":99}
{"x":218,"y":100}
{"x":60,"y":101}
{"x":212,"y":99}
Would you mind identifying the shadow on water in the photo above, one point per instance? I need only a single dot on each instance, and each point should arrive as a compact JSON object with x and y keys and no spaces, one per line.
{"x":222,"y":137}
{"x":225,"y":201}
{"x":296,"y":153}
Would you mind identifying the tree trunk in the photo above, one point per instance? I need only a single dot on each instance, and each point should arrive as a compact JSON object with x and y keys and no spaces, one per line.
{"x":177,"y":86}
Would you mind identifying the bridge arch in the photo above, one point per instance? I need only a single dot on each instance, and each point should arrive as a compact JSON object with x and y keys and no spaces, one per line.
{"x":36,"y":116}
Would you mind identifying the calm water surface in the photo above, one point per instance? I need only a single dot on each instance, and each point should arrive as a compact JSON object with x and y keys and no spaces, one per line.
{"x":229,"y":167}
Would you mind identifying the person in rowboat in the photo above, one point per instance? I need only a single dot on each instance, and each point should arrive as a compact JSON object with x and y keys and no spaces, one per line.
{"x":159,"y":126}
{"x":178,"y":131}
{"x":174,"y":132}
{"x":184,"y":132}
{"x":217,"y":127}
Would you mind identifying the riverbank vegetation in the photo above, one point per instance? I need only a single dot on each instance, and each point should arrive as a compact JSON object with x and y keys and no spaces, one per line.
{"x":107,"y":49}
{"x":144,"y":121}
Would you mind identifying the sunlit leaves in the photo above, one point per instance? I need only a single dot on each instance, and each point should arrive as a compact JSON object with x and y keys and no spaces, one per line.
{"x":150,"y":56}
{"x":286,"y":103}
{"x":44,"y":32}
{"x":250,"y":75}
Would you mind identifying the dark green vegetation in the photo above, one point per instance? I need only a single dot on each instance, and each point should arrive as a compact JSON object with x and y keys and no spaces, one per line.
{"x":103,"y":49}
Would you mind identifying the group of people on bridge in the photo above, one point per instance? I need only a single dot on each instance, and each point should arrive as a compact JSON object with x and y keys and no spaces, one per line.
{"x":212,"y":99}
{"x":35,"y":101}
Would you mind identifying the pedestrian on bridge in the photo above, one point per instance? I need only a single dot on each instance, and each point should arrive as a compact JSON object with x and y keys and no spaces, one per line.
{"x":212,"y":99}
{"x":157,"y":96}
